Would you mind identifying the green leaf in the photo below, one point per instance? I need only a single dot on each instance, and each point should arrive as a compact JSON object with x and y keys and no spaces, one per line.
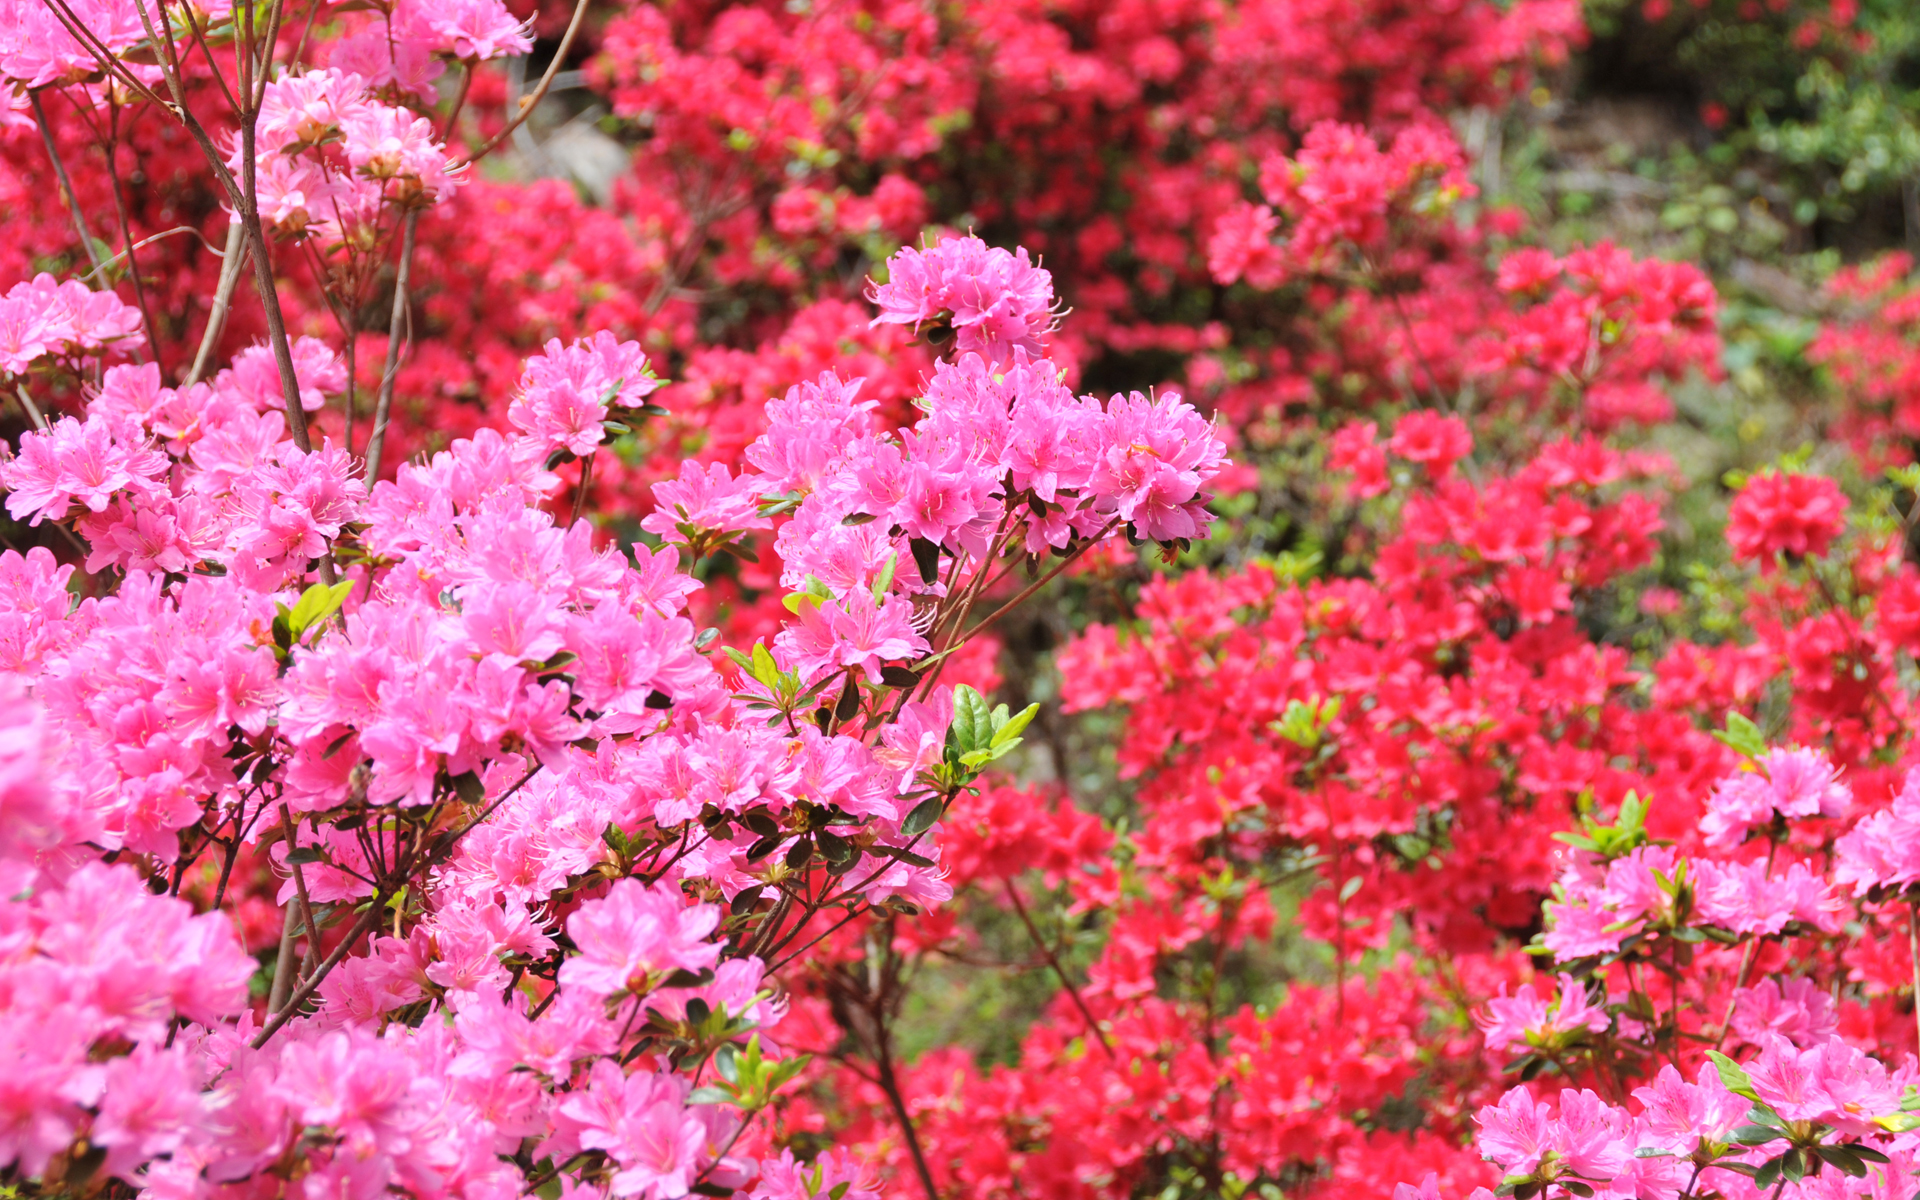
{"x":1008,"y":729}
{"x":469,"y":788}
{"x":726,"y":1062}
{"x":1756,"y":1135}
{"x":836,"y":848}
{"x":1732,"y":1076}
{"x":883,"y":583}
{"x":709,"y":1095}
{"x":922,"y":817}
{"x":972,"y":727}
{"x":1743,"y":736}
{"x":315,"y":605}
{"x":762,"y":666}
{"x":926,"y":556}
{"x":1844,"y":1158}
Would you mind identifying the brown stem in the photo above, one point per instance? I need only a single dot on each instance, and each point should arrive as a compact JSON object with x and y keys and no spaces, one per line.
{"x":300,"y":893}
{"x":66,"y":184}
{"x":580,"y":491}
{"x":1046,"y":951}
{"x":269,"y":293}
{"x":283,"y":969}
{"x":459,"y":102}
{"x":890,"y":1084}
{"x":280,"y":1017}
{"x":539,"y":92}
{"x":1913,"y":951}
{"x":1039,"y":583}
{"x":126,"y":237}
{"x":377,"y":439}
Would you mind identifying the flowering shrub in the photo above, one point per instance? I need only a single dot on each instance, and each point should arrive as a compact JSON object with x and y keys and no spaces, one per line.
{"x":511,"y":695}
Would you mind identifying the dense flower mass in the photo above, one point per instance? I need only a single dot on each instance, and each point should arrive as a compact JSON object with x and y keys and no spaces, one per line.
{"x":789,"y":600}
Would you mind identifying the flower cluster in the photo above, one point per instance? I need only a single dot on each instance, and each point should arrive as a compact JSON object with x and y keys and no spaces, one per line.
{"x":512,"y":738}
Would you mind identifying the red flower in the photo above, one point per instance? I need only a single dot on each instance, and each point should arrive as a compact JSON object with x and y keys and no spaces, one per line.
{"x":1781,"y":513}
{"x":1430,"y":438}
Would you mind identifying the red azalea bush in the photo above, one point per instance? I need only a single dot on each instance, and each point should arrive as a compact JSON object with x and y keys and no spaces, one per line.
{"x":498,"y":689}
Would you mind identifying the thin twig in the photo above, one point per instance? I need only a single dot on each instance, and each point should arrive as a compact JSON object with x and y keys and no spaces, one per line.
{"x":33,"y":410}
{"x":580,"y":491}
{"x":539,"y":92}
{"x":377,"y":439}
{"x":1093,"y":1026}
{"x":66,"y":184}
{"x":230,"y":268}
{"x":126,"y":237}
{"x":459,"y":102}
{"x":143,"y":243}
{"x":1037,"y":584}
{"x":367,"y":921}
{"x":1913,"y":950}
{"x":890,"y":1084}
{"x":283,"y":971}
{"x":300,"y":892}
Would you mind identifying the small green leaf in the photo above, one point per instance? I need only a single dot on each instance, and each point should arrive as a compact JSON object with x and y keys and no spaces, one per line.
{"x":763,"y":668}
{"x":972,"y":722}
{"x":1008,"y":729}
{"x":1743,"y":736}
{"x":315,"y":605}
{"x":1733,"y":1077}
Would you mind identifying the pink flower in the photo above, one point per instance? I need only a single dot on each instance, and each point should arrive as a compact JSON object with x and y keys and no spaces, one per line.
{"x":1527,"y":1020}
{"x":565,"y":391}
{"x":634,"y":933}
{"x":1680,"y":1115}
{"x":75,"y":462}
{"x":851,"y":633}
{"x":705,"y":499}
{"x":1156,"y":456}
{"x":1884,"y":849}
{"x":1796,"y":1009}
{"x":1516,"y":1133}
{"x":1742,"y":899}
{"x":1242,"y":246}
{"x":255,"y":375}
{"x":643,"y":1123}
{"x":832,"y":1173}
{"x":997,"y":302}
{"x":152,"y":1104}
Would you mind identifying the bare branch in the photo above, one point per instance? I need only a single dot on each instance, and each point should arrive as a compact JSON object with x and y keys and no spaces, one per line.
{"x":377,"y":440}
{"x":222,"y":301}
{"x":539,"y":92}
{"x":66,"y":185}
